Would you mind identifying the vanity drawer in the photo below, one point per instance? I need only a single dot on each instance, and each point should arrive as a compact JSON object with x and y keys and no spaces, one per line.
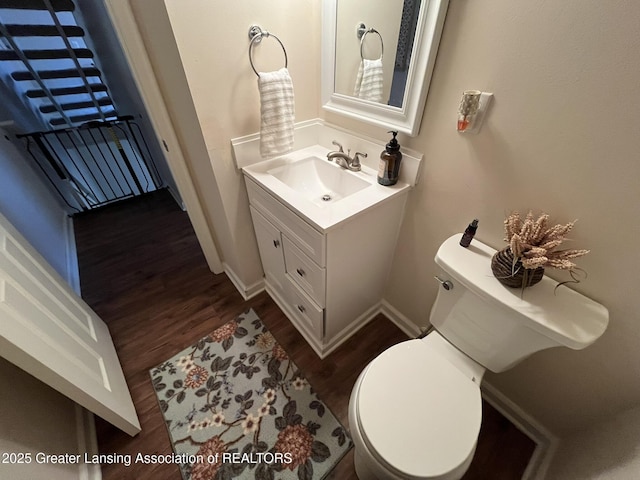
{"x":307,"y":313}
{"x":309,"y":276}
{"x":308,"y":239}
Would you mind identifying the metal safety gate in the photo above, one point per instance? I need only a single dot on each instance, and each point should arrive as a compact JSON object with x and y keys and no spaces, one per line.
{"x":95,"y":164}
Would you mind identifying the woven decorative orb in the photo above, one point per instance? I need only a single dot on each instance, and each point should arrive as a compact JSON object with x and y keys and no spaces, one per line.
{"x":512,"y":274}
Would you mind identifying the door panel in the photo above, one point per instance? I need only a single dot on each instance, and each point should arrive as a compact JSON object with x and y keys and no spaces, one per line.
{"x":51,"y":333}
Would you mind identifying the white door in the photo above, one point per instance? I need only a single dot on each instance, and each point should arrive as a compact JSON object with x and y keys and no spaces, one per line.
{"x":48,"y":331}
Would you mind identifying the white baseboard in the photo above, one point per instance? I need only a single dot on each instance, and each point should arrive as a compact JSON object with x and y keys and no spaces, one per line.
{"x":351,"y":329}
{"x":247,"y":291}
{"x":321,"y":350}
{"x":284,"y":307}
{"x":73,"y":271}
{"x":401,"y":321}
{"x":546,"y":442}
{"x":87,"y":444}
{"x":177,"y":198}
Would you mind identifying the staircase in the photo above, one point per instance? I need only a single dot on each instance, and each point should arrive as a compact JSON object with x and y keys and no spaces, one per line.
{"x":45,"y":56}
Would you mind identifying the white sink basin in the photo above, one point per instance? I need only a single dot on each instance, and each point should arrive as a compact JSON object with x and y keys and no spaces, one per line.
{"x":318,"y":180}
{"x":320,"y":191}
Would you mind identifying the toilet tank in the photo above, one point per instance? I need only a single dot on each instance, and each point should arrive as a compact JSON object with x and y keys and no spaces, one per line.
{"x":498,"y":326}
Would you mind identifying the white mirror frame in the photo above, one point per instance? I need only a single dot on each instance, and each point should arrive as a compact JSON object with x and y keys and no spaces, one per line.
{"x":425,"y":47}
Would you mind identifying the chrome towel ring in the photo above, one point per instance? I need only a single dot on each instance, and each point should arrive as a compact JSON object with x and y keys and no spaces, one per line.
{"x":364,"y":34}
{"x":256,"y":34}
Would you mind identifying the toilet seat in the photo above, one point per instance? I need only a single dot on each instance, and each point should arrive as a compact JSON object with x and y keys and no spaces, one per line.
{"x":418,"y":413}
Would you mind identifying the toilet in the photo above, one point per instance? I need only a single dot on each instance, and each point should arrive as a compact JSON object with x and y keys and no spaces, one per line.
{"x":415,"y":411}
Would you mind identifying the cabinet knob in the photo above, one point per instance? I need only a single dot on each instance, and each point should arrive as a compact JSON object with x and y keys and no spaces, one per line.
{"x":276,"y":243}
{"x":301,"y":308}
{"x":300,"y":272}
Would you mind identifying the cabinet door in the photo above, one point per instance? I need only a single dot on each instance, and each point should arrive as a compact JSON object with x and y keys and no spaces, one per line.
{"x":271,"y":250}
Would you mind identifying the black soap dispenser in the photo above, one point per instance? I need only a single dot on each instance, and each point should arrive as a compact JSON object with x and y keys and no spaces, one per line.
{"x":390,"y":158}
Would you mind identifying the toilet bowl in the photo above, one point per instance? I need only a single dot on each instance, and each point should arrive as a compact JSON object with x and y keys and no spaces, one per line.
{"x":412,"y":422}
{"x":415,"y":411}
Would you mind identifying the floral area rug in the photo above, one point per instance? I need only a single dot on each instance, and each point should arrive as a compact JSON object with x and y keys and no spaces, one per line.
{"x":236,"y":406}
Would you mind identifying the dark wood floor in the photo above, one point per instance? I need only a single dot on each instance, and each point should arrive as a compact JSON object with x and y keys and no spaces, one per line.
{"x":143,"y":272}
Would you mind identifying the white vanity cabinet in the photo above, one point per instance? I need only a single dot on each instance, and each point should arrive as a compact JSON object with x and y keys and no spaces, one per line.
{"x":308,"y":314}
{"x":329,"y":282}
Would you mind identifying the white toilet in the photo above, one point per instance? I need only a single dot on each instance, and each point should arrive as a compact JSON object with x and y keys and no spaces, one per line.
{"x":415,"y":410}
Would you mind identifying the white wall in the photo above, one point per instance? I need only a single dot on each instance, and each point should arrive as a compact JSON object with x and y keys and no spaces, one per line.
{"x":35,"y":211}
{"x":14,"y":112}
{"x":605,"y":451}
{"x":560,"y":138}
{"x":155,"y":29}
{"x":35,"y":418}
{"x":199,"y":50}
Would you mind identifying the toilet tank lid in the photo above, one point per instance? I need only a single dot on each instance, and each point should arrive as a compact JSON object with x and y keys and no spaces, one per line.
{"x":562,"y":314}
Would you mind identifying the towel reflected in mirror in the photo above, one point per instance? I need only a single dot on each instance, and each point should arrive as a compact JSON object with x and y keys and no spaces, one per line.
{"x":369,"y":80}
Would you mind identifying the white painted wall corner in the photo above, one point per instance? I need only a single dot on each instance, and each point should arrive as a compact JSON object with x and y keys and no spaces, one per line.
{"x":399,"y":319}
{"x":87,"y":444}
{"x":247,"y":291}
{"x":546,"y":442}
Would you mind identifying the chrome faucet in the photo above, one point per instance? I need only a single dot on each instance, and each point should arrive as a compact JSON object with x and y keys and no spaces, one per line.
{"x":344,"y":160}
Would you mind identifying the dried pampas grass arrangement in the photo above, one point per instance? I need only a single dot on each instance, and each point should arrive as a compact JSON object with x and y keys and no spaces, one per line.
{"x":536,"y":244}
{"x":533,"y":246}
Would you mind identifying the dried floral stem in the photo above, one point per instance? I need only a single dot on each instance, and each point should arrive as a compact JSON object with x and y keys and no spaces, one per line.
{"x":534,"y":243}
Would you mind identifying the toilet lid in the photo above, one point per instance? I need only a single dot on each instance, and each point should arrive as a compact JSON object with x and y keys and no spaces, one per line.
{"x":418,"y":413}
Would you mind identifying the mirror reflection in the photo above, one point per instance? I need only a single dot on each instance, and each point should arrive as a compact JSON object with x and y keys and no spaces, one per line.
{"x":373,"y":49}
{"x":405,"y":76}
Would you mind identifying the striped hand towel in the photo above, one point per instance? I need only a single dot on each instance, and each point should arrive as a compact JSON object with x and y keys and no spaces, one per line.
{"x":369,"y":80}
{"x":276,"y":112}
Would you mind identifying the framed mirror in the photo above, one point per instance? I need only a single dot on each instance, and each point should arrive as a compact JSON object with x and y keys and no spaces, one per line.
{"x":396,"y":55}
